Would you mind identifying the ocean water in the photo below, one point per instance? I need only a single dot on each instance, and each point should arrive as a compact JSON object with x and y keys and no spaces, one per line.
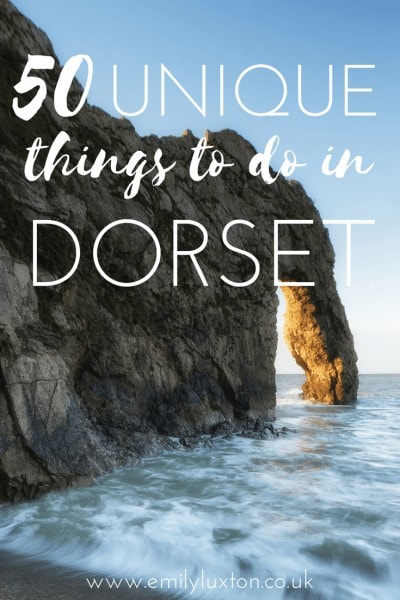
{"x":312,"y":515}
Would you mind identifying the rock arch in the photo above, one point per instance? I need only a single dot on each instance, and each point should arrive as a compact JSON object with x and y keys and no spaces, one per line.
{"x":93,"y":376}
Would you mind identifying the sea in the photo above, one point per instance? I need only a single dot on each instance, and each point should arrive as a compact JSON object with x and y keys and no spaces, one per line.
{"x":312,"y":515}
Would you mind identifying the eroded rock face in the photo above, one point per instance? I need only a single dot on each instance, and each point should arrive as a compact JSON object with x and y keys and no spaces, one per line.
{"x":93,"y":375}
{"x":315,"y":341}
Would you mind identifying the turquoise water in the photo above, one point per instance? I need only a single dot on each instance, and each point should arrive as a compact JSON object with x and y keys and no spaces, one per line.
{"x":312,"y":515}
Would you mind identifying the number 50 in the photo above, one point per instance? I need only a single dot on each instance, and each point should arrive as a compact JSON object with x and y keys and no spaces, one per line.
{"x":28,"y":83}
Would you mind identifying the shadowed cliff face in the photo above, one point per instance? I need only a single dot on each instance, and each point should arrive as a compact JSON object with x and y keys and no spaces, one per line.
{"x":94,"y":375}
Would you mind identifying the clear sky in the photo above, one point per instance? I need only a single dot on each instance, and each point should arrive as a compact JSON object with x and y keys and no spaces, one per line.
{"x":184,"y":34}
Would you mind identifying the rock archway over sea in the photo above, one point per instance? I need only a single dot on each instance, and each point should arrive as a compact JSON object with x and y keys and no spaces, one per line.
{"x":93,"y":375}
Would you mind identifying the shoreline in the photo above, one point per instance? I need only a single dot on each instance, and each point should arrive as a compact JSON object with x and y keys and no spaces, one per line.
{"x":23,"y":578}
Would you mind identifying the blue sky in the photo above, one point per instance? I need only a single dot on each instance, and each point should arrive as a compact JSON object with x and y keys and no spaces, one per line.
{"x":184,"y":34}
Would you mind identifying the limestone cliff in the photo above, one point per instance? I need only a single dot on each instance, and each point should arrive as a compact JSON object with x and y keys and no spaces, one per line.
{"x":93,"y":375}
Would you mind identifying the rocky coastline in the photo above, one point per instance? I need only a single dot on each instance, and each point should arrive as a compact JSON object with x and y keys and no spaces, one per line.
{"x":93,"y":376}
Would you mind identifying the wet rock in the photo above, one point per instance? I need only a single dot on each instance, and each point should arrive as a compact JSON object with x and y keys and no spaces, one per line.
{"x":348,"y":556}
{"x":223,"y":429}
{"x":285,"y":430}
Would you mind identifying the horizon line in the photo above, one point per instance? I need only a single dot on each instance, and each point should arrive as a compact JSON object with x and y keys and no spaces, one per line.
{"x":369,"y":373}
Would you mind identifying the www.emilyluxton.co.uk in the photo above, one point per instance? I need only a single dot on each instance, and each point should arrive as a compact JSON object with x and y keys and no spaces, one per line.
{"x":204,"y":582}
